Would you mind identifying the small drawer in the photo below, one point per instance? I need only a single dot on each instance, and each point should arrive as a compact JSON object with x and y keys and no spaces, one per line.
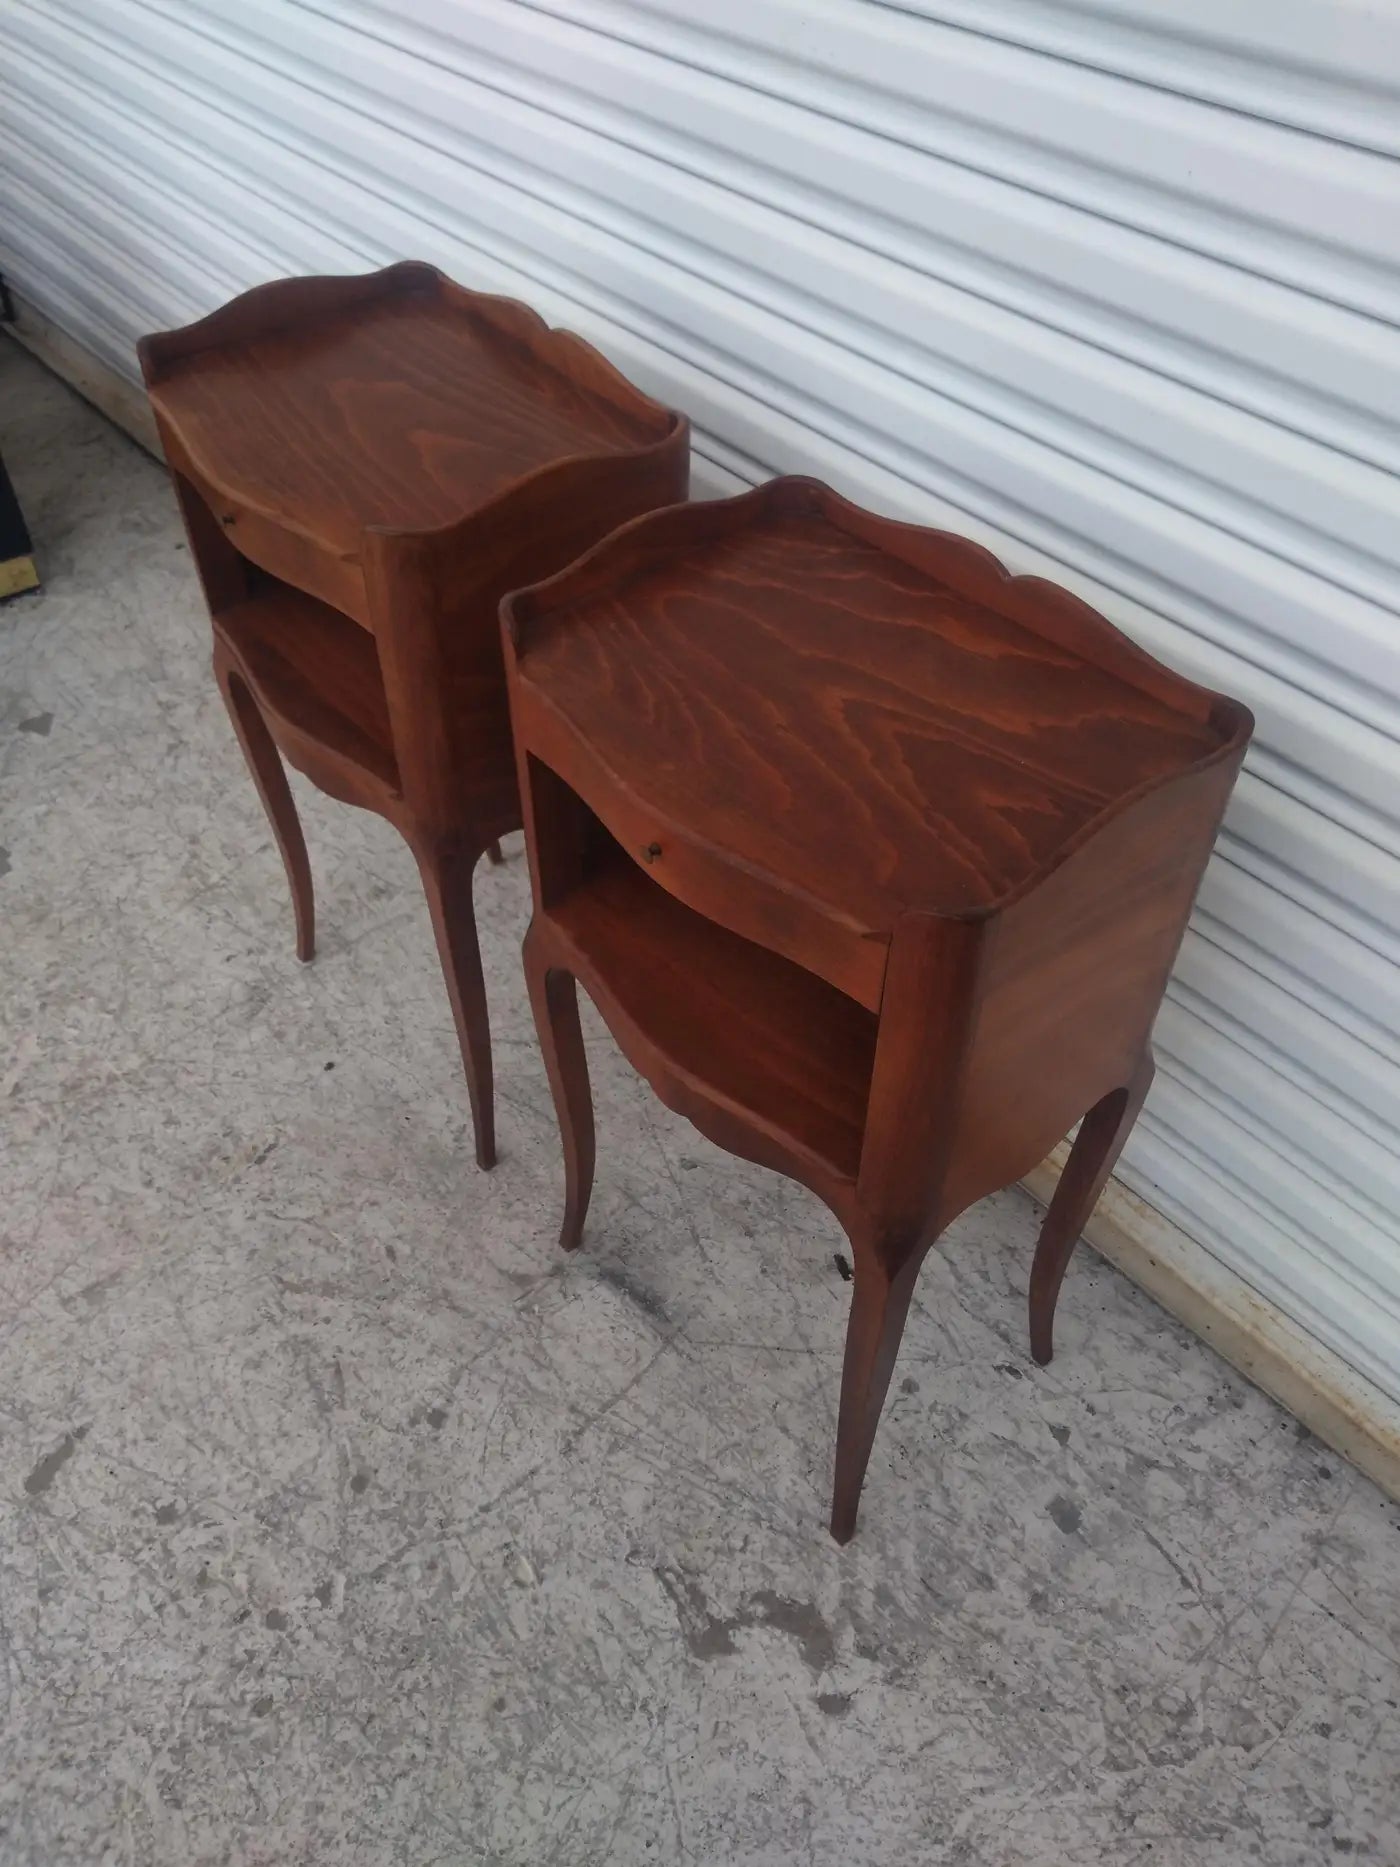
{"x":706,"y":879}
{"x":292,"y":556}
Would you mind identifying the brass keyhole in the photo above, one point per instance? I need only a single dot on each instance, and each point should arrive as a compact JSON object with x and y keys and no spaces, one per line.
{"x":651,"y":852}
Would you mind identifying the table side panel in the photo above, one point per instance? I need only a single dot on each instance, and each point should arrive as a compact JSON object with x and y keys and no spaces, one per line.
{"x":1072,"y":980}
{"x":435,"y":600}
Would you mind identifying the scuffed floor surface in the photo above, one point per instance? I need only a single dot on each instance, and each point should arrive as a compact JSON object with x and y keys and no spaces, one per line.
{"x":344,"y":1521}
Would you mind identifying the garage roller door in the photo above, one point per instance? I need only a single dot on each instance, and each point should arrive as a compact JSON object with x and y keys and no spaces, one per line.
{"x":1112,"y":287}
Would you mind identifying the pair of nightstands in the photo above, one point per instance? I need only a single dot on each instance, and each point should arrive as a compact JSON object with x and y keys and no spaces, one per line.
{"x":874,"y":859}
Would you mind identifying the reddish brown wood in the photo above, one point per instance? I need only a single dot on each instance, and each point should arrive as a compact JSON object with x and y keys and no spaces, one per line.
{"x":880,"y":1297}
{"x":364,"y":467}
{"x":554,"y":999}
{"x":874,"y":859}
{"x":260,"y":751}
{"x":1092,"y":1159}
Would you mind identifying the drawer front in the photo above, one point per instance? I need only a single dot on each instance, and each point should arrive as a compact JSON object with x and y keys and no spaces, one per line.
{"x":287,"y":554}
{"x":295,"y":558}
{"x":745,"y":901}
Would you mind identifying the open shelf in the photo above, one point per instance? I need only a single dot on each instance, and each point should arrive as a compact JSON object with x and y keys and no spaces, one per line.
{"x":742,"y":1028}
{"x":313,"y":671}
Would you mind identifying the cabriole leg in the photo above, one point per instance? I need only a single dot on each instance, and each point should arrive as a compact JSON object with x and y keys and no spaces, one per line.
{"x":447,"y":882}
{"x":1092,"y":1159}
{"x":265,"y":763}
{"x":554,"y":1000}
{"x":880,"y":1302}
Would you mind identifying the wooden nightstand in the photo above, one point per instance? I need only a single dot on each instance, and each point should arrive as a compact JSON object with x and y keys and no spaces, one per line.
{"x":875,"y":861}
{"x":364,"y":466}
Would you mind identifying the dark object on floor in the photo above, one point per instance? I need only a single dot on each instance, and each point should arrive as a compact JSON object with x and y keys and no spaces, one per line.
{"x":365,"y":465}
{"x":875,"y":861}
{"x":17,"y":568}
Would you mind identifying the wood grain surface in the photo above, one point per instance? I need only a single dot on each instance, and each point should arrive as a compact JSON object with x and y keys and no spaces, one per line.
{"x":792,"y":687}
{"x":743,"y":1030}
{"x":874,"y":859}
{"x":406,"y":410}
{"x":365,"y":466}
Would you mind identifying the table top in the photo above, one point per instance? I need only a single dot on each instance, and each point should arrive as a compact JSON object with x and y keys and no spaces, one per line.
{"x":397,"y":400}
{"x":872,"y":714}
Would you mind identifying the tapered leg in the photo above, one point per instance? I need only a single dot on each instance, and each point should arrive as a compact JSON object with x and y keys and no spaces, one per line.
{"x":265,"y":763}
{"x":554,"y":999}
{"x":879,"y":1307}
{"x":1091,"y":1160}
{"x":447,"y":882}
{"x":493,"y":853}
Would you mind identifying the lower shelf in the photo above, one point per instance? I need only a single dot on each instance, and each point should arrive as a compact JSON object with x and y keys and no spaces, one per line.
{"x":315,"y":671}
{"x":743,"y":1029}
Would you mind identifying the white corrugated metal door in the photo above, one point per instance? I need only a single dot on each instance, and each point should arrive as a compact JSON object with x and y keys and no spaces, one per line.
{"x":1111,"y":287}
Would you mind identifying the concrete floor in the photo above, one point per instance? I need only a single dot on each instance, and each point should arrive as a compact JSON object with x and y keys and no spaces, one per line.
{"x":343,"y":1521}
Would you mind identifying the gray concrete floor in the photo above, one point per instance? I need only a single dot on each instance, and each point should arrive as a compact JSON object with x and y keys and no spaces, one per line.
{"x":344,"y":1522}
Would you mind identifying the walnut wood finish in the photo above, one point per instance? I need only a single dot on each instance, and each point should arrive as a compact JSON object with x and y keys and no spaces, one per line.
{"x":364,"y":466}
{"x":875,"y":861}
